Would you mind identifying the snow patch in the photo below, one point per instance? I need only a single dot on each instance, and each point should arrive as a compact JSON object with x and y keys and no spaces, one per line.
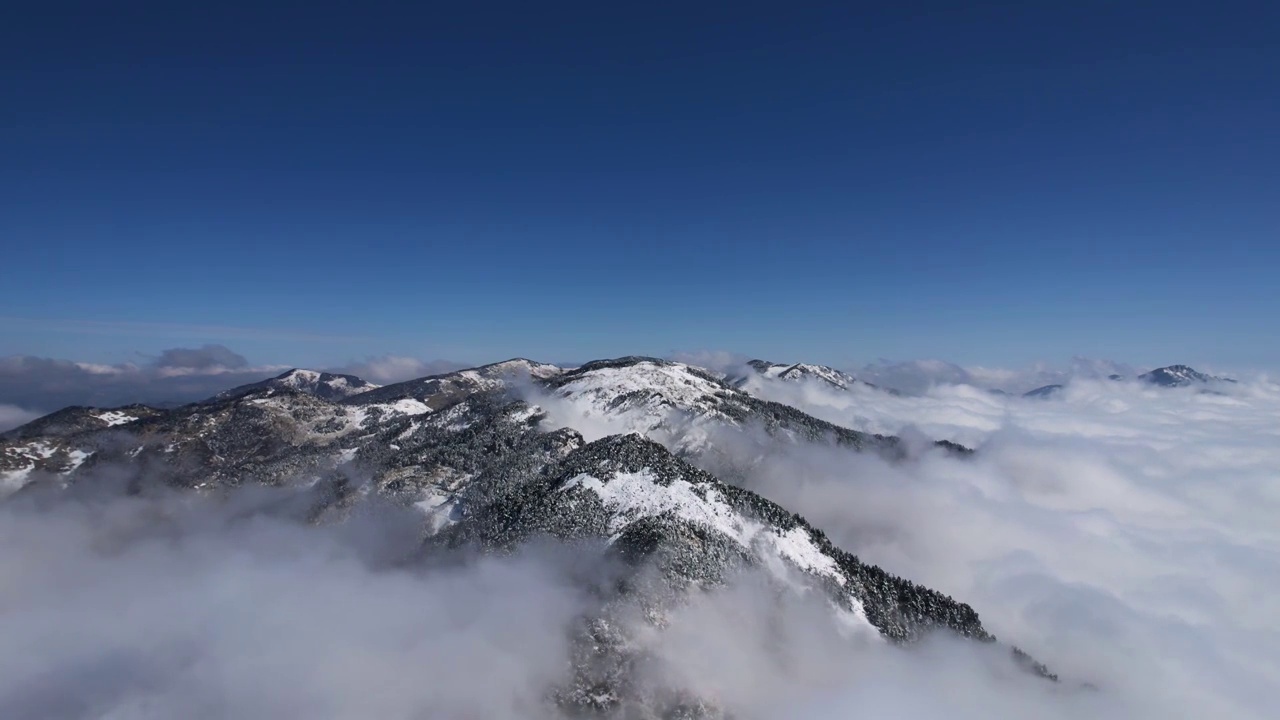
{"x":76,"y":459}
{"x":355,"y":418}
{"x":632,"y":496}
{"x":662,"y":401}
{"x":438,"y":508}
{"x":524,"y":414}
{"x":300,"y":378}
{"x":114,"y":417}
{"x":403,"y":406}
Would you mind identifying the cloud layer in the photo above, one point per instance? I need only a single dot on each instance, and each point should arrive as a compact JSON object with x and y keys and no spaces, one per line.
{"x":163,"y":607}
{"x":919,"y":376}
{"x":387,"y":369}
{"x":1123,"y":534}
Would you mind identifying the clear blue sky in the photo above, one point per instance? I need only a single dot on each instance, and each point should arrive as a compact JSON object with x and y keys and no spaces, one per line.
{"x":314,"y":182}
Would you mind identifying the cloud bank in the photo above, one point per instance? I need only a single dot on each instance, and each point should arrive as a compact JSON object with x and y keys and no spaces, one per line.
{"x":34,"y":386}
{"x":37,"y":385}
{"x":208,"y":357}
{"x":917,"y":377}
{"x":388,"y":369}
{"x":1123,"y":534}
{"x":164,"y":607}
{"x":161,"y":605}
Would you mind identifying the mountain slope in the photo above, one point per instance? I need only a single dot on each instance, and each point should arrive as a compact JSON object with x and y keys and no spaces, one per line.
{"x":49,"y":447}
{"x":679,"y":531}
{"x":78,"y":419}
{"x":645,"y":501}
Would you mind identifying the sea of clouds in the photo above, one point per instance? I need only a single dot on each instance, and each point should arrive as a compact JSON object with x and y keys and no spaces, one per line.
{"x":1125,"y":535}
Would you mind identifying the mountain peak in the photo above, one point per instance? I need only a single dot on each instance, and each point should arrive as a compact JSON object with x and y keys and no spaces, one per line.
{"x":802,"y":371}
{"x":645,"y":391}
{"x":1179,"y":376}
{"x":324,"y":385}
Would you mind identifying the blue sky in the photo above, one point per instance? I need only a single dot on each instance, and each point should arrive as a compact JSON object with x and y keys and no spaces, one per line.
{"x":310,"y":183}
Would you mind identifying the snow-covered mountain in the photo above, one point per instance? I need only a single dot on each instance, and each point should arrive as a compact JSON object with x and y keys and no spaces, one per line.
{"x":1179,"y":376}
{"x":759,"y":374}
{"x":494,"y":457}
{"x":324,"y":385}
{"x":802,"y":371}
{"x":51,"y":446}
{"x":686,"y":408}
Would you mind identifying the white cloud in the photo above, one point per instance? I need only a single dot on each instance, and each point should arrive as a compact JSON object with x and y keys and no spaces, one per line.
{"x":919,"y":376}
{"x":715,"y":360}
{"x":175,"y":376}
{"x":387,"y":369}
{"x":178,"y":375}
{"x":11,"y":416}
{"x":179,"y":607}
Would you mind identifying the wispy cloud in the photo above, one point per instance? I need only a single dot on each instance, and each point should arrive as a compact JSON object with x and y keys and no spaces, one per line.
{"x":241,"y":616}
{"x":386,"y":369}
{"x":11,"y":416}
{"x":177,"y":331}
{"x":32,"y":386}
{"x":39,"y":385}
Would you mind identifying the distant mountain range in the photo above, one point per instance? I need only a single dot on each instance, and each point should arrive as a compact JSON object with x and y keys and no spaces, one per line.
{"x":1170,"y":376}
{"x":496,"y":456}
